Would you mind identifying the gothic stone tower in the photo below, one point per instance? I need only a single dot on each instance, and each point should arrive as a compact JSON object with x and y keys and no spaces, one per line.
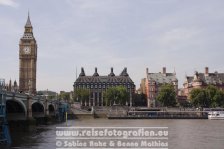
{"x":27,"y":60}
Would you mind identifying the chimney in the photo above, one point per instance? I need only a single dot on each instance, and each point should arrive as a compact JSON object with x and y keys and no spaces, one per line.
{"x":147,"y":71}
{"x":206,"y":71}
{"x":164,"y":70}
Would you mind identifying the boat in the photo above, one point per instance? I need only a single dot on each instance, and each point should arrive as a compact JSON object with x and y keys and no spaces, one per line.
{"x":216,"y":115}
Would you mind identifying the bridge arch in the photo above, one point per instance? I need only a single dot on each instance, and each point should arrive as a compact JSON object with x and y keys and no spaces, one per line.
{"x":37,"y":109}
{"x":15,"y":109}
{"x":51,"y":109}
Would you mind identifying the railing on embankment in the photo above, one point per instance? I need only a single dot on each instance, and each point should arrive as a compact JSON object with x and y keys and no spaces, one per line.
{"x":161,"y":115}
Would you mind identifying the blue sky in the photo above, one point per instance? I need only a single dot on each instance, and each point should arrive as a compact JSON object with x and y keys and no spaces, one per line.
{"x":187,"y":35}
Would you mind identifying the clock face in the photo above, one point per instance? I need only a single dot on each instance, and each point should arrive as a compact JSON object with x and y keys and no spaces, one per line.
{"x":26,"y":50}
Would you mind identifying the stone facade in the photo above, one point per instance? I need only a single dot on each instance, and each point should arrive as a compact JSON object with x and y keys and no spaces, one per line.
{"x":202,"y":80}
{"x":27,"y":60}
{"x":97,"y":84}
{"x":154,"y":81}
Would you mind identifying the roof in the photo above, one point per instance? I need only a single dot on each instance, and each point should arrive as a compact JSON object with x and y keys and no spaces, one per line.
{"x":211,"y":78}
{"x":28,"y":35}
{"x":161,"y":78}
{"x":111,"y":78}
{"x":103,"y":79}
{"x":28,"y":22}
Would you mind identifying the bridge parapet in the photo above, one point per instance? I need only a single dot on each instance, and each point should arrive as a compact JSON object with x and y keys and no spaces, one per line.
{"x":24,"y":106}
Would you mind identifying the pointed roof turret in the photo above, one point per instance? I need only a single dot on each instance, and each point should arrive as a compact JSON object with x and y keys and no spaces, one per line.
{"x":10,"y":85}
{"x":15,"y":84}
{"x":82,"y":72}
{"x":124,"y":72}
{"x":111,"y":72}
{"x":96,"y":73}
{"x":28,"y":33}
{"x":28,"y":22}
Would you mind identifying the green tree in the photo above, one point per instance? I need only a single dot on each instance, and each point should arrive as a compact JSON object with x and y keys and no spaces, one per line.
{"x":82,"y":95}
{"x":211,"y":92}
{"x":139,"y":100}
{"x":116,"y":95}
{"x":51,"y":97}
{"x":208,"y":97}
{"x":167,"y":95}
{"x":199,"y":97}
{"x":218,"y":99}
{"x":64,"y":96}
{"x":194,"y":97}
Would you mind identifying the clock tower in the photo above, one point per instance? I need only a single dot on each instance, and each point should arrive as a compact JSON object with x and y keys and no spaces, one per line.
{"x":27,"y":60}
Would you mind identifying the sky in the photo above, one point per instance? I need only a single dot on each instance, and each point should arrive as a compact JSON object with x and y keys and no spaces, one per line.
{"x":181,"y":35}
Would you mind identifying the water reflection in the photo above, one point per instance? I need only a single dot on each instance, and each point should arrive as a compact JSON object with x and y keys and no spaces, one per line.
{"x":184,"y":134}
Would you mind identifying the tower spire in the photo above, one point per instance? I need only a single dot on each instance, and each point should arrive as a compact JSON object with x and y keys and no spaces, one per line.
{"x":28,"y":22}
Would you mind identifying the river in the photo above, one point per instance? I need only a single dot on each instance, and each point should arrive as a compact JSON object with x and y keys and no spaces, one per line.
{"x":183,"y":134}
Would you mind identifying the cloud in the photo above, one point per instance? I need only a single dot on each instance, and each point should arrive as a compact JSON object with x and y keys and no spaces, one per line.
{"x":9,"y":3}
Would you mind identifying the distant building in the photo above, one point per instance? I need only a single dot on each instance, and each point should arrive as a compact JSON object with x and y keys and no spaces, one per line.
{"x":27,"y":60}
{"x":2,"y":84}
{"x":97,"y":84}
{"x":66,"y":95}
{"x":142,"y":88}
{"x":47,"y":94}
{"x":12,"y":87}
{"x":202,"y":80}
{"x":154,"y":81}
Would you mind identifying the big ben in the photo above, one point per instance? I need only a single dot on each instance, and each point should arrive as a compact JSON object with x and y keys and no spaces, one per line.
{"x":27,"y":60}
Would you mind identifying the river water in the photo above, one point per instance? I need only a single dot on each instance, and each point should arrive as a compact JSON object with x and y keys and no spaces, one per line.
{"x":183,"y":134}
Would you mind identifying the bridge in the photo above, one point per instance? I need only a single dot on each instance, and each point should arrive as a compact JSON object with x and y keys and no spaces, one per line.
{"x":19,"y":107}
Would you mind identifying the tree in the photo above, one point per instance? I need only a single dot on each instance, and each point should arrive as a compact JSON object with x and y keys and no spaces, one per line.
{"x":139,"y":100}
{"x":198,"y":97}
{"x":167,"y":95}
{"x":116,"y":95}
{"x":82,"y":95}
{"x":211,"y":92}
{"x":64,"y":96}
{"x":208,"y":97}
{"x":218,"y":99}
{"x":201,"y":97}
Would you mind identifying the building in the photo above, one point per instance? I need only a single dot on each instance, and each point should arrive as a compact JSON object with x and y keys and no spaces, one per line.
{"x":27,"y":60}
{"x":202,"y":80}
{"x":47,"y":94}
{"x":154,"y":81}
{"x":12,"y":87}
{"x":97,"y":85}
{"x":142,"y":88}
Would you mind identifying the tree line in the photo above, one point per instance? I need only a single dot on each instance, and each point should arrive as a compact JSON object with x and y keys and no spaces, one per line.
{"x":117,"y":95}
{"x":209,"y":97}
